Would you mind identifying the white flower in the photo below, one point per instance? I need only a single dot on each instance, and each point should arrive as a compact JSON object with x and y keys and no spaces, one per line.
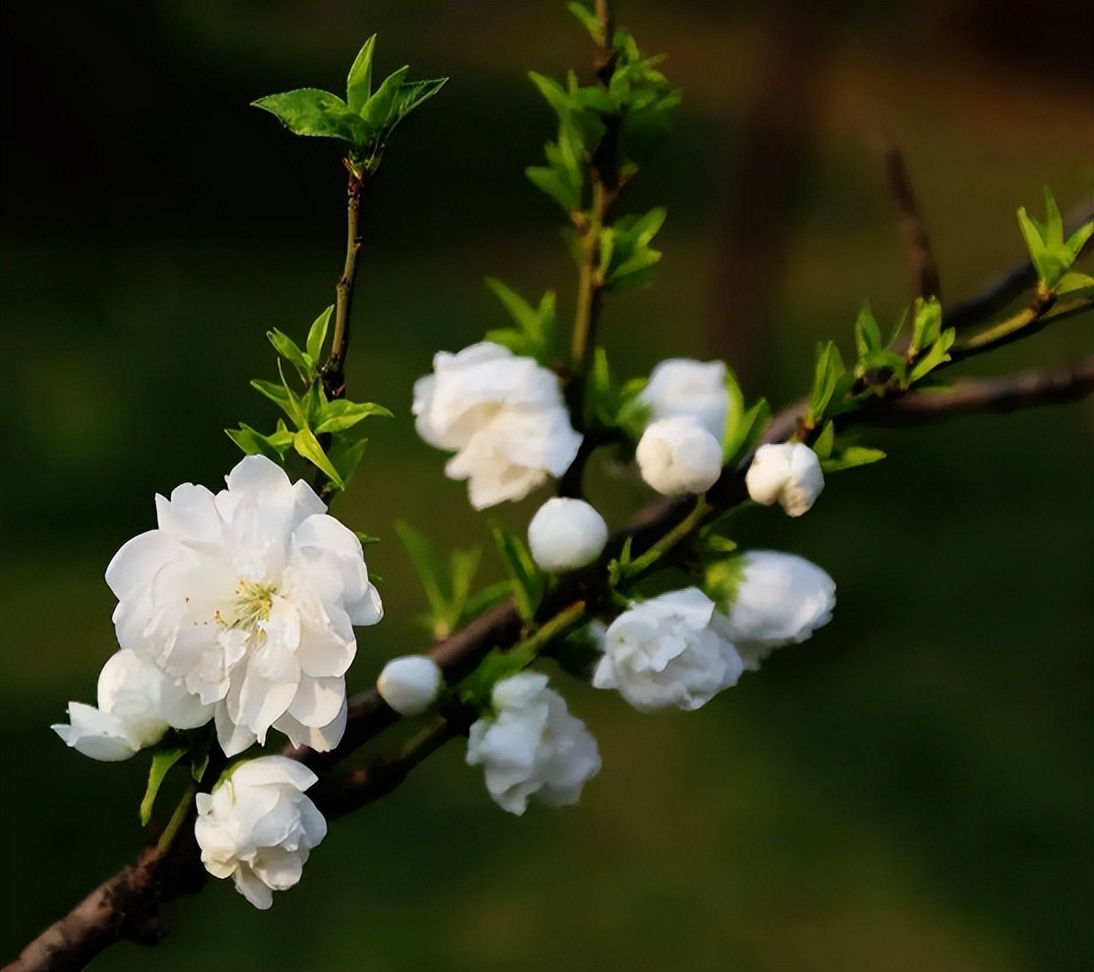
{"x":788,"y":473}
{"x":502,"y":415}
{"x":678,"y":455}
{"x":664,"y":653}
{"x":532,"y":746}
{"x":248,"y":598}
{"x":566,"y":534}
{"x":681,"y":387}
{"x":137,"y":704}
{"x":258,"y":827}
{"x":780,"y":599}
{"x":410,"y":684}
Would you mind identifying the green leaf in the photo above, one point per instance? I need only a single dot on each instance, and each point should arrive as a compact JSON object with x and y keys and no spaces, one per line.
{"x":377,"y":110}
{"x":926,"y":324}
{"x":409,"y":96}
{"x":850,"y":457}
{"x":1078,"y":240}
{"x":526,"y":316}
{"x":254,"y":443}
{"x":722,"y":579}
{"x":306,"y":444}
{"x":526,"y":580}
{"x":826,"y":381}
{"x":287,"y":348}
{"x":359,"y":82}
{"x":162,"y":761}
{"x":867,"y":333}
{"x":483,"y":600}
{"x":749,"y":431}
{"x":588,"y":20}
{"x":339,"y":415}
{"x":310,"y":111}
{"x":936,"y":355}
{"x":198,"y":766}
{"x":428,"y":566}
{"x":282,"y":397}
{"x":346,"y":454}
{"x":825,"y":441}
{"x":317,"y":334}
{"x":1073,"y":283}
{"x":558,"y":185}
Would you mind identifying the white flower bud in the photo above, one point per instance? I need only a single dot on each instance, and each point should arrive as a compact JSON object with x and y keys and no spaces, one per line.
{"x":566,"y":534}
{"x":410,"y":684}
{"x":681,"y":387}
{"x":677,"y":456}
{"x":258,"y":827}
{"x":532,"y":746}
{"x":788,"y":473}
{"x":779,"y":599}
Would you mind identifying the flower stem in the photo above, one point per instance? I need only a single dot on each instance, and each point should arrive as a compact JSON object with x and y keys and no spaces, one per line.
{"x":178,"y":818}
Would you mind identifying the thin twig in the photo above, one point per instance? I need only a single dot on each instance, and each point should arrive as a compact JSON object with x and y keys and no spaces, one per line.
{"x":913,"y":229}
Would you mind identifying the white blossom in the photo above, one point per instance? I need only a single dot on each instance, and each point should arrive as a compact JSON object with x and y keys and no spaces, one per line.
{"x":678,"y":455}
{"x":258,"y":827}
{"x":502,"y":415}
{"x":248,"y":598}
{"x":410,"y":684}
{"x":682,"y":387}
{"x":566,"y":534}
{"x":137,"y":704}
{"x":531,"y":746}
{"x":780,"y":599}
{"x":788,"y":473}
{"x":665,"y":653}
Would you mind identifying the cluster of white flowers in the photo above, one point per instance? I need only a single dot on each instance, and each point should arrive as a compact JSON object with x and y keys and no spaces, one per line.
{"x":240,"y":607}
{"x":681,"y":449}
{"x":502,"y":415}
{"x":530,"y":745}
{"x":258,"y":827}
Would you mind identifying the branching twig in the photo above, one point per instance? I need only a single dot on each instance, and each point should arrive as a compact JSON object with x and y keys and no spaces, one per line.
{"x":913,"y":229}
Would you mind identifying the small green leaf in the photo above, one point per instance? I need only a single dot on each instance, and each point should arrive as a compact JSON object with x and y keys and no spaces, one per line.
{"x":317,"y":334}
{"x":748,"y":432}
{"x":339,"y":415}
{"x":867,"y":333}
{"x":379,"y":108}
{"x":287,"y":348}
{"x":555,"y":184}
{"x":162,"y":761}
{"x":346,"y":454}
{"x":254,"y":443}
{"x":428,"y":566}
{"x":826,"y":381}
{"x":926,"y":324}
{"x":525,"y":315}
{"x":1078,"y":240}
{"x":281,"y":396}
{"x":410,"y":96}
{"x":936,"y":355}
{"x":1073,"y":283}
{"x":480,"y":601}
{"x":825,"y":441}
{"x":306,"y":444}
{"x":198,"y":766}
{"x":310,"y":111}
{"x":527,"y":582}
{"x":588,"y":20}
{"x":359,"y":82}
{"x":851,"y":457}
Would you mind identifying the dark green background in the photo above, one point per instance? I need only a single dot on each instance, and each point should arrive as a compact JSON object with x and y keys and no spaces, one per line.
{"x":910,"y":790}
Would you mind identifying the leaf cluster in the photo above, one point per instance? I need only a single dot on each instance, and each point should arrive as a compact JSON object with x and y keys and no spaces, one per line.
{"x":365,"y":119}
{"x":533,"y":335}
{"x":1053,"y":256}
{"x":311,"y":412}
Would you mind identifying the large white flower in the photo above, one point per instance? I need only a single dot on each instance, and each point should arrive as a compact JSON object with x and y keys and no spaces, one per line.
{"x":532,"y":746}
{"x":685,"y":388}
{"x":771,"y":599}
{"x":503,"y":416}
{"x":258,"y":827}
{"x":248,"y":599}
{"x":788,"y":473}
{"x":664,"y":653}
{"x":137,"y":704}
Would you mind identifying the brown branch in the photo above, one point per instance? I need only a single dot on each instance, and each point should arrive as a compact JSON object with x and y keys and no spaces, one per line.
{"x":913,"y":230}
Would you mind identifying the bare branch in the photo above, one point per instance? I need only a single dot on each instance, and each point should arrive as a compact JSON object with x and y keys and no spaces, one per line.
{"x":913,"y":230}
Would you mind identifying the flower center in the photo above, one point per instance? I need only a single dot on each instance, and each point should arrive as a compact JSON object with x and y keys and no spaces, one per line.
{"x":253,"y":603}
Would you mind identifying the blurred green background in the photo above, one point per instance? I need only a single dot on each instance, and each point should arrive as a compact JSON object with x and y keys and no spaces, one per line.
{"x":910,"y":790}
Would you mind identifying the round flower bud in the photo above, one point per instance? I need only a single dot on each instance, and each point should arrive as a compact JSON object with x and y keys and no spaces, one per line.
{"x":788,"y":473}
{"x":677,"y":456}
{"x":410,"y":684}
{"x":692,"y":389}
{"x":566,"y":534}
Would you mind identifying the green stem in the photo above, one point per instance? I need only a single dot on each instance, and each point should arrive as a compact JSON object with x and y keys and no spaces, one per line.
{"x":333,"y":372}
{"x":1027,"y":321}
{"x":178,"y":818}
{"x":682,"y":531}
